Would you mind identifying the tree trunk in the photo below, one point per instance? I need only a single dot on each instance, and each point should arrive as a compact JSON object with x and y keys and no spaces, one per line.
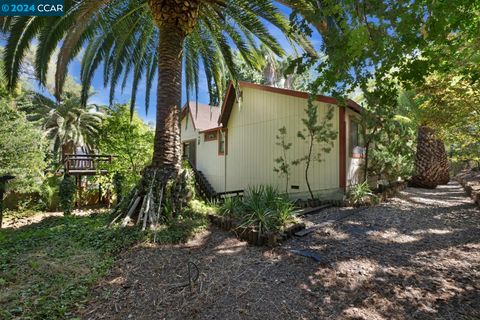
{"x":431,"y":161}
{"x":162,"y":191}
{"x":167,"y":152}
{"x":307,"y":167}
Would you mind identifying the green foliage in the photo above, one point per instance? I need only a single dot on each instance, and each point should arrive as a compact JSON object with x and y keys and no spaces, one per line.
{"x":425,"y":47}
{"x":49,"y":193}
{"x":67,"y":124}
{"x":67,"y":194}
{"x":22,"y":150}
{"x":262,"y":207}
{"x":192,"y":220}
{"x":361,"y":194}
{"x":406,"y":40}
{"x":60,"y":257}
{"x":389,"y":137}
{"x":190,"y":178}
{"x":230,"y":207}
{"x":319,"y":137}
{"x":118,"y":185}
{"x":283,"y":166}
{"x":116,"y":33}
{"x":181,"y":229}
{"x":202,"y":207}
{"x":450,"y":103}
{"x":272,"y":71}
{"x":130,"y":140}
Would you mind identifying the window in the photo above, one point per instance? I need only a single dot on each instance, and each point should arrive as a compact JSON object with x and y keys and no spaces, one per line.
{"x":357,"y":149}
{"x":210,"y":136}
{"x":222,"y":142}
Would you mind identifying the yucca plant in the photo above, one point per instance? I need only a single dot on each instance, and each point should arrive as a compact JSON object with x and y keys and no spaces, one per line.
{"x":230,"y":206}
{"x":361,"y":194}
{"x":265,"y":208}
{"x":144,"y":38}
{"x":284,"y":212}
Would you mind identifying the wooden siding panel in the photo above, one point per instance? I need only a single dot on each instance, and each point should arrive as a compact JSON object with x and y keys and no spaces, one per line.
{"x":252,"y":150}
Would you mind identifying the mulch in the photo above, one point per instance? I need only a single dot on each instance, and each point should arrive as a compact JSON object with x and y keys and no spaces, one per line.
{"x":416,"y":256}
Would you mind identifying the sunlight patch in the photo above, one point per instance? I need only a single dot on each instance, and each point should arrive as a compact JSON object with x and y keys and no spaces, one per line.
{"x":362,"y":314}
{"x":356,"y":272}
{"x":331,"y":233}
{"x":392,"y":235}
{"x":432,"y":231}
{"x":230,"y":246}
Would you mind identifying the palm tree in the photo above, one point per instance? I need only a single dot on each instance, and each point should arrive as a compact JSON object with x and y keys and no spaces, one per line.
{"x":143,"y":37}
{"x":67,"y":124}
{"x":431,"y":160}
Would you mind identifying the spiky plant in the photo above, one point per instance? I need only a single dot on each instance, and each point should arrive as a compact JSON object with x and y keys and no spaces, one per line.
{"x":67,"y":124}
{"x":144,"y":38}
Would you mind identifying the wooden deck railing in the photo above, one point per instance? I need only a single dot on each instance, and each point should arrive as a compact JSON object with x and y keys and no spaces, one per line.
{"x":84,"y":162}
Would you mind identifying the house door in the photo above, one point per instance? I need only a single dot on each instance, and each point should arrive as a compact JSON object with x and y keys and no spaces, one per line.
{"x":190,"y":151}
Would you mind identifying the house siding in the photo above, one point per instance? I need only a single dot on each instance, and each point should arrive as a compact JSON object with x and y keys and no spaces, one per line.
{"x":252,"y":131}
{"x":207,"y":158}
{"x":188,"y":130}
{"x":211,"y":164}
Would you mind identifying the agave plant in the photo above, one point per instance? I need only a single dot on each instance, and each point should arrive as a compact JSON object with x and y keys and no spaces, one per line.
{"x":145,"y":38}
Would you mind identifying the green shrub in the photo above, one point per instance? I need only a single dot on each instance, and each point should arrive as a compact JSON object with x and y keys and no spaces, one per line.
{"x":201,"y":207}
{"x":230,"y":207}
{"x":262,"y":207}
{"x":49,"y":193}
{"x":361,"y":194}
{"x":190,"y":178}
{"x":67,"y":194}
{"x":118,"y":181}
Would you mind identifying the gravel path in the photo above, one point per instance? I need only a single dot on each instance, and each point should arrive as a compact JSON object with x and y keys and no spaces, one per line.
{"x":414,"y":257}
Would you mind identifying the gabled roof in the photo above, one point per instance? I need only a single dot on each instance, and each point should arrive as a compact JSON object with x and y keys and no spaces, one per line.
{"x":206,"y":118}
{"x":230,"y":98}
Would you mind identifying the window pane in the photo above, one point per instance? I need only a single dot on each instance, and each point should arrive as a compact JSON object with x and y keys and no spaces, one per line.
{"x":221,"y":142}
{"x":354,"y":133}
{"x":222,"y":147}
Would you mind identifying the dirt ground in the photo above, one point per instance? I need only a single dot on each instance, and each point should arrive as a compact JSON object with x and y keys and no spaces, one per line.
{"x":18,"y":221}
{"x":414,"y":257}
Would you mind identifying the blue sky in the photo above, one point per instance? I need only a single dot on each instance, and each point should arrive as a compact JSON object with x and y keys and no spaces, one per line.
{"x":102,"y":93}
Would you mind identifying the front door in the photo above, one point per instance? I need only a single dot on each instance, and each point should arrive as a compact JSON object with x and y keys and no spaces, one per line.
{"x":190,"y":151}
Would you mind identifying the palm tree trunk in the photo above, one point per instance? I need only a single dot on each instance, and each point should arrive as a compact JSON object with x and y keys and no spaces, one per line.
{"x":164,"y":185}
{"x":431,"y":161}
{"x":167,"y":145}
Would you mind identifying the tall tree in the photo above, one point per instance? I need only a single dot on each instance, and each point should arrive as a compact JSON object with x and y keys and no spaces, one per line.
{"x":273,"y":72}
{"x":142,"y":38}
{"x":22,"y":144}
{"x":130,"y":140}
{"x":67,"y":124}
{"x":407,"y":40}
{"x":22,"y":150}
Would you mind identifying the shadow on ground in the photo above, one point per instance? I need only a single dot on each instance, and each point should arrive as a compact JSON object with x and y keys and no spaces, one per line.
{"x":415,"y":257}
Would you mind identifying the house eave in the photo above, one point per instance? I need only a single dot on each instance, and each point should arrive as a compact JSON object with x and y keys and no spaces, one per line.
{"x":230,"y":98}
